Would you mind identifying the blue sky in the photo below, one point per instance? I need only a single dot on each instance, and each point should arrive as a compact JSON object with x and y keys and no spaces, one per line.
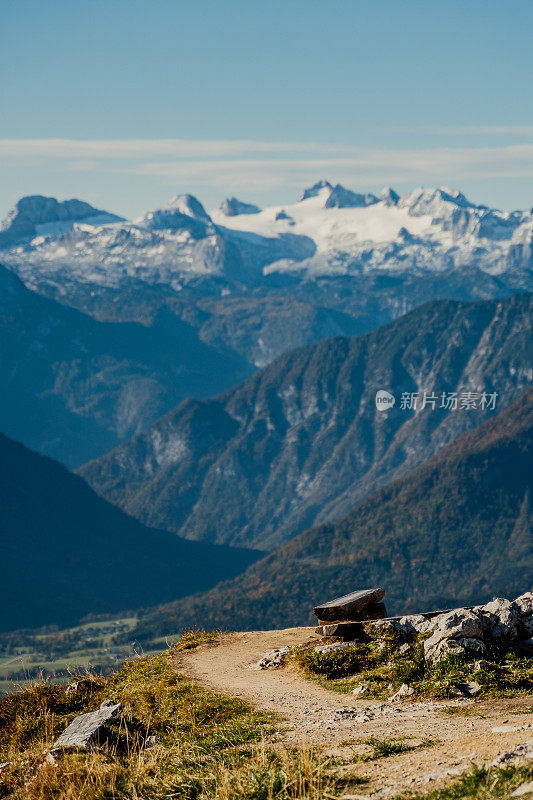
{"x":127,"y":102}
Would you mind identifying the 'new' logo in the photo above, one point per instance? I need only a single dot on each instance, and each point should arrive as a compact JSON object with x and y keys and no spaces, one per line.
{"x":384,"y":400}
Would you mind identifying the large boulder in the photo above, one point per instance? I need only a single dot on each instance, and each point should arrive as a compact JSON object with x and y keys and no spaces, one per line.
{"x":507,"y":616}
{"x":436,"y":649}
{"x":524,"y":604}
{"x":459,"y":622}
{"x":86,"y":730}
{"x":452,"y":632}
{"x":412,"y":625}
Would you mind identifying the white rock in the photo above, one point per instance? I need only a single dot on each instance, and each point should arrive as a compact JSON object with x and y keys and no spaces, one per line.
{"x":459,"y":622}
{"x":506,"y":729}
{"x":524,"y":603}
{"x":437,"y":647}
{"x":449,"y":630}
{"x":404,"y":691}
{"x":508,"y":615}
{"x":525,"y":789}
{"x":273,"y":659}
{"x":413,"y":624}
{"x":83,"y":731}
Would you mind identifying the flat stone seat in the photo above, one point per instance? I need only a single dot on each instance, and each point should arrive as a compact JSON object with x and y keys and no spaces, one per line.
{"x":344,"y":608}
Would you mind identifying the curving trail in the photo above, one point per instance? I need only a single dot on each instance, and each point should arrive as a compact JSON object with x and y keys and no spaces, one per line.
{"x":316,"y":716}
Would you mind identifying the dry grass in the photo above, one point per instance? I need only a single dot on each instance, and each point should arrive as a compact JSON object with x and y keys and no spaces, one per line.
{"x":196,"y":637}
{"x":208,"y":746}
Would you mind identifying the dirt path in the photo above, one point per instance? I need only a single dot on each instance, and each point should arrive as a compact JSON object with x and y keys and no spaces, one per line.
{"x":316,"y":716}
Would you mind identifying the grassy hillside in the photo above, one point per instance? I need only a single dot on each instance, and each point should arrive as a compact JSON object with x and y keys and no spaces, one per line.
{"x":457,"y":530}
{"x":206,"y":746}
{"x":67,"y":553}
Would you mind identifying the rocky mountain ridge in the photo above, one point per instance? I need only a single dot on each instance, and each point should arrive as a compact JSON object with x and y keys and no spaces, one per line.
{"x":301,"y":441}
{"x":258,"y":281}
{"x":331,"y":230}
{"x":36,"y":217}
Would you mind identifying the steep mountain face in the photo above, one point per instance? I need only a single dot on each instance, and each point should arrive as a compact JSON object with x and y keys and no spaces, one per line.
{"x":302,"y":441}
{"x":262,"y":324}
{"x":457,"y":530}
{"x":67,"y":553}
{"x":73,"y":387}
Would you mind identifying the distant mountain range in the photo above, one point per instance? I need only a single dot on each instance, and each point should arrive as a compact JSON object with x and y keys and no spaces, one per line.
{"x":67,"y":553}
{"x":73,"y":387}
{"x":331,"y":230}
{"x":263,"y":281}
{"x":301,"y":441}
{"x":457,"y":530}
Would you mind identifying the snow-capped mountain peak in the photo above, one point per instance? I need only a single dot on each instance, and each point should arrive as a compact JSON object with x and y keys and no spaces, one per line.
{"x":434,"y":201}
{"x":339,"y":197}
{"x":183,"y":212}
{"x":389,"y":196}
{"x":315,"y":190}
{"x":36,"y":215}
{"x":190,"y":206}
{"x":232,"y":207}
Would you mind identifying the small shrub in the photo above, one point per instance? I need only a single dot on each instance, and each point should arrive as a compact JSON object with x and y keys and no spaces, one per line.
{"x":382,"y":748}
{"x":337,"y":663}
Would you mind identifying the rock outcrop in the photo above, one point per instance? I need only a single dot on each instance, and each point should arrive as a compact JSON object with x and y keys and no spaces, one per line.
{"x":470,"y":630}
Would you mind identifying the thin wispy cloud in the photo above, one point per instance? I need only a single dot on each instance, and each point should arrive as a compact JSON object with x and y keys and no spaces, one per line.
{"x":261,"y":166}
{"x":153,"y":148}
{"x":366,"y":164}
{"x":483,"y":130}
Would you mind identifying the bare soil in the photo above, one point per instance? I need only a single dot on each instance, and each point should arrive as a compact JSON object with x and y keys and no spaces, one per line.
{"x":313,"y":715}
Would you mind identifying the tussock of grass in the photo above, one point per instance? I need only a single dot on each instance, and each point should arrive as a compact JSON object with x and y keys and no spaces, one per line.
{"x":479,"y":784}
{"x":382,"y":748}
{"x":191,"y":639}
{"x":208,"y":746}
{"x":378,"y":664}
